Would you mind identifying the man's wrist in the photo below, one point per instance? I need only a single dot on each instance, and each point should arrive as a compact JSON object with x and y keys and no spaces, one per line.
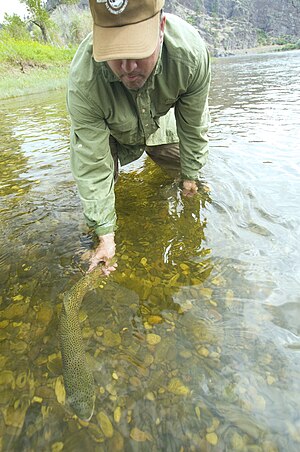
{"x":189,"y":183}
{"x":106,"y":237}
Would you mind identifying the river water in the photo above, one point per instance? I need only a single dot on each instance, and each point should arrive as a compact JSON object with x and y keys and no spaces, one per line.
{"x":195,"y":340}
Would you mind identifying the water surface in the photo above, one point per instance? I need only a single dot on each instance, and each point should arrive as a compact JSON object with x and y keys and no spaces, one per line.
{"x":195,"y":340}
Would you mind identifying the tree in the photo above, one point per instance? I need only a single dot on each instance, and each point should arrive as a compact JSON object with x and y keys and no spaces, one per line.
{"x":39,"y":14}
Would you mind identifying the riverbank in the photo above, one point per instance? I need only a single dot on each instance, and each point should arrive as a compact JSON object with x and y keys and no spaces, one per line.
{"x":260,"y":49}
{"x":20,"y":77}
{"x":29,"y":67}
{"x":24,"y":79}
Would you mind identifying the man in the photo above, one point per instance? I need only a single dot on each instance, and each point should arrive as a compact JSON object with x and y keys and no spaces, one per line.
{"x":141,"y":84}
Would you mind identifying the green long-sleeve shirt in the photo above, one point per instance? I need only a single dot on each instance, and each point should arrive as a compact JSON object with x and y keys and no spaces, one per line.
{"x":171,"y":107}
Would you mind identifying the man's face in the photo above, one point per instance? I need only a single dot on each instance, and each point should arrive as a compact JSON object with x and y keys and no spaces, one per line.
{"x":134,"y":73}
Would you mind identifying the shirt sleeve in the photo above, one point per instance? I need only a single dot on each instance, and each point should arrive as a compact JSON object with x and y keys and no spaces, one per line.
{"x":91,"y":162}
{"x":192,"y":117}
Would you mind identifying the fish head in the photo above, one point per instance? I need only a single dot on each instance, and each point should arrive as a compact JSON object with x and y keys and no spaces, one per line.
{"x":83,"y":405}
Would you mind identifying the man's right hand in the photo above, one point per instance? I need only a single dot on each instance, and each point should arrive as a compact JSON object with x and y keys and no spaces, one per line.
{"x":104,"y":252}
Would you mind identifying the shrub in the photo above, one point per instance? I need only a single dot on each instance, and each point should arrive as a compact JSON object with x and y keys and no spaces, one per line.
{"x":262,"y":38}
{"x":15,"y":27}
{"x":72,"y":24}
{"x":32,"y":52}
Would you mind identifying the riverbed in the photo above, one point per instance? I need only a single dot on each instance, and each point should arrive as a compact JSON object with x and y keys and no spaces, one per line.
{"x":194,"y":341}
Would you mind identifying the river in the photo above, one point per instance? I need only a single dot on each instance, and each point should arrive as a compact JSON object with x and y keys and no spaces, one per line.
{"x":195,"y":340}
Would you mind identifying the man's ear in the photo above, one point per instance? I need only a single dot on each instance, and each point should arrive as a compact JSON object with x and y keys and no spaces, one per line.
{"x":162,"y":27}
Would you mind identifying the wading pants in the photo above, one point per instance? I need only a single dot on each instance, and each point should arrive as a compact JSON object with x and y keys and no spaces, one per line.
{"x":164,"y":155}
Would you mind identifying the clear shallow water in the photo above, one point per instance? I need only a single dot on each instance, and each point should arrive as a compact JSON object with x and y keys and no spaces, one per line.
{"x":214,"y":278}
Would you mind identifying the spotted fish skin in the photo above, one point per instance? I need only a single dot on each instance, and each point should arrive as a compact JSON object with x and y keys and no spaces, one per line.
{"x":78,"y":377}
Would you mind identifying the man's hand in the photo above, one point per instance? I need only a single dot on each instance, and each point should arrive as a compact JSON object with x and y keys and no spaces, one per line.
{"x":104,"y":252}
{"x":189,"y":188}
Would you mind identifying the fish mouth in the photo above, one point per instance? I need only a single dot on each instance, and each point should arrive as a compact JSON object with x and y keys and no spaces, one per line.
{"x":87,"y":419}
{"x":83,"y":410}
{"x":85,"y":416}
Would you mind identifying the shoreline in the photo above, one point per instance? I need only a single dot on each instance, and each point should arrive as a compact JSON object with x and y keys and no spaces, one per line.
{"x":256,"y":50}
{"x":25,"y":79}
{"x":21,"y":80}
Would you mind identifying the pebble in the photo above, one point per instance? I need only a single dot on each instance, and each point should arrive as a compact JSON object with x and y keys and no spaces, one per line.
{"x":18,"y":297}
{"x":111,"y":389}
{"x":86,"y":333}
{"x":116,"y":444}
{"x":294,"y":430}
{"x":213,"y":302}
{"x":185,"y":354}
{"x":177,"y":387}
{"x":57,"y":447}
{"x":111,"y":339}
{"x":135,"y":381}
{"x":7,"y":379}
{"x":44,"y":315}
{"x":60,"y":391}
{"x":153,"y":339}
{"x":105,"y":424}
{"x":260,"y":403}
{"x":138,"y":435}
{"x":214,"y":425}
{"x":229,"y":298}
{"x":148,"y":360}
{"x":205,"y":292}
{"x":143,"y":261}
{"x":185,"y":306}
{"x":237,"y":441}
{"x":269,"y":446}
{"x":3,"y":361}
{"x":150,"y":396}
{"x":96,"y":433}
{"x":198,"y":412}
{"x":212,"y":438}
{"x":21,"y":380}
{"x":117,"y":414}
{"x":218,"y":281}
{"x":203,"y":351}
{"x":14,"y":416}
{"x":14,"y":311}
{"x":155,"y":319}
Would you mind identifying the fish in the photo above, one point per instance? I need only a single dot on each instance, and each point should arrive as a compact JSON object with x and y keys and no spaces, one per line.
{"x":77,"y":374}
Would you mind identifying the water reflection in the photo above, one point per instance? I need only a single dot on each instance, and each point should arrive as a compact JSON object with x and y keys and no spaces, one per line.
{"x":194,"y":341}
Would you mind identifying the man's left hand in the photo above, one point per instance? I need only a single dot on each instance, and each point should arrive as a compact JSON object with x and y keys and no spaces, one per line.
{"x":190,"y":188}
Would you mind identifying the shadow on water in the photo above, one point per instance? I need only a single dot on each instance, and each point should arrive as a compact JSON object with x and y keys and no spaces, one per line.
{"x":193,"y":342}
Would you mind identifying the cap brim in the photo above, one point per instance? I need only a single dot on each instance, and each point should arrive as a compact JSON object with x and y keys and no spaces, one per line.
{"x":134,"y":41}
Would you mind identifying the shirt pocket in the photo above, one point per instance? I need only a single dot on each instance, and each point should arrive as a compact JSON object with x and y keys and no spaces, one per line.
{"x":124,"y":131}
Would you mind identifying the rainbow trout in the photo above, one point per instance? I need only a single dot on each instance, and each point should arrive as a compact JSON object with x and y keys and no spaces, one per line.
{"x":78,"y":377}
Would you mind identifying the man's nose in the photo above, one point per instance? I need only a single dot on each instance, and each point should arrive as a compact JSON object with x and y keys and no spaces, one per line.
{"x":128,"y":66}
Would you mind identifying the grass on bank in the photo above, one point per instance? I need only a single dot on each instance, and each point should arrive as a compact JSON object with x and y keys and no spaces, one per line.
{"x":28,"y":67}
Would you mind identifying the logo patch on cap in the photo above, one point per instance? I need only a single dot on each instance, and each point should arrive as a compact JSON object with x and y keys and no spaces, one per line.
{"x":116,"y":6}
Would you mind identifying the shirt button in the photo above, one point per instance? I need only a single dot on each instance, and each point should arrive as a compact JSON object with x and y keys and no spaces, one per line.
{"x":143,"y":110}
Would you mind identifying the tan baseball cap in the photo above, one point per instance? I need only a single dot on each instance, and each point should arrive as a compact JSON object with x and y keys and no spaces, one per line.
{"x":125,"y":29}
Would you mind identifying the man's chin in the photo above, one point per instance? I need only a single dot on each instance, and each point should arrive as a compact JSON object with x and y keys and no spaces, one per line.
{"x":134,"y":84}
